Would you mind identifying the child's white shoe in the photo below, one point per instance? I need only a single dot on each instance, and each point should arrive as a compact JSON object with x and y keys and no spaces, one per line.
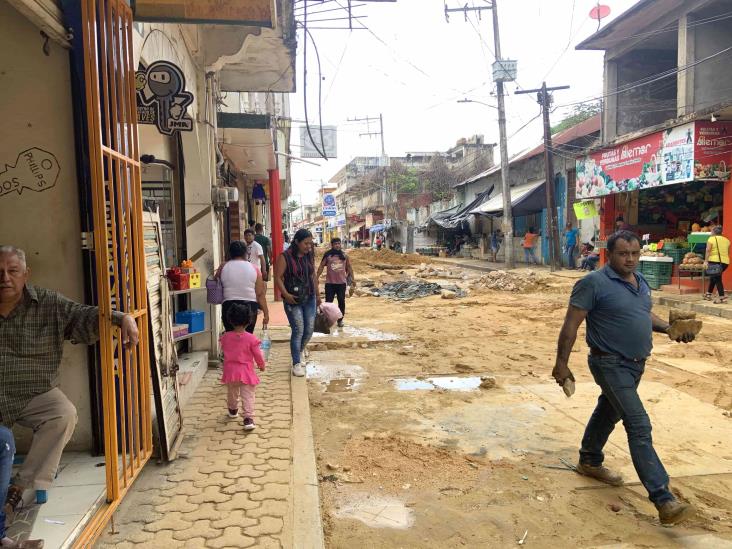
{"x":233,"y":414}
{"x":249,"y":424}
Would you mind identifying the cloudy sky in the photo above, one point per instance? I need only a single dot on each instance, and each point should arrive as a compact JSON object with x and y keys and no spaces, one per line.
{"x":412,"y":67}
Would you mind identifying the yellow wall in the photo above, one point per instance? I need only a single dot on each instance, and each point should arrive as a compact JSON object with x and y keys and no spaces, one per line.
{"x":36,"y":111}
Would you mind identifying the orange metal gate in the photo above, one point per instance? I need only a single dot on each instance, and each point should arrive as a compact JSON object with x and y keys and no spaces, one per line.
{"x":118,"y":243}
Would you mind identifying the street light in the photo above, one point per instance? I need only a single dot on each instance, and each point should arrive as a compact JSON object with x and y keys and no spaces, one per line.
{"x":466,"y":100}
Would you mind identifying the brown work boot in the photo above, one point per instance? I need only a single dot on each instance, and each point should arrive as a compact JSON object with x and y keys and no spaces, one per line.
{"x":601,"y":473}
{"x":7,"y":543}
{"x":672,"y":512}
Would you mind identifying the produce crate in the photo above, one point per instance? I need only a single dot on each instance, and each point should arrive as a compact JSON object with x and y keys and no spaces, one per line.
{"x":656,"y":268}
{"x":677,"y":254}
{"x":654,"y":282}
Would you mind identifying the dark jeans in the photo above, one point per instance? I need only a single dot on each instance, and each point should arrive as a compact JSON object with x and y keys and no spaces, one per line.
{"x":302,"y":322}
{"x":716,"y":280}
{"x":338,"y":291}
{"x":619,"y":378}
{"x":7,"y":452}
{"x":570,"y":256}
{"x":589,"y":262}
{"x":226,"y":307}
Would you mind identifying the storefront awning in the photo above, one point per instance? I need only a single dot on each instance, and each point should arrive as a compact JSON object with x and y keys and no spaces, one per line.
{"x":376,"y":228}
{"x":356,"y":228}
{"x":525,"y":199}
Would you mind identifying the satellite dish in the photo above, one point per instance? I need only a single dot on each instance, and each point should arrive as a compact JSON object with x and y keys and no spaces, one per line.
{"x":599,"y":12}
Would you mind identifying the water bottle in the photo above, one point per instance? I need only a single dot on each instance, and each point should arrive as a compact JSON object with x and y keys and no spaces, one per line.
{"x":265,"y":344}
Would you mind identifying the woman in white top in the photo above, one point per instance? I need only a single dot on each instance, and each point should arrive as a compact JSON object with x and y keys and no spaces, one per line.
{"x":243,"y":284}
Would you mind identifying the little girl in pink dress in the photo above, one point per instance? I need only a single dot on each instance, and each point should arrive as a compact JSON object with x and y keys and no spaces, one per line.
{"x":241,"y":351}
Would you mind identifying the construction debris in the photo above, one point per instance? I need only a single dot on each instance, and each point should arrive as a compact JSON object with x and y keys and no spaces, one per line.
{"x":430,"y":271}
{"x":682,"y":322}
{"x":510,"y":281}
{"x":406,"y":290}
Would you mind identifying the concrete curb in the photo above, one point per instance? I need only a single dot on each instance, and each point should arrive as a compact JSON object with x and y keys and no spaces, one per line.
{"x":711,"y":310}
{"x":307,"y":527}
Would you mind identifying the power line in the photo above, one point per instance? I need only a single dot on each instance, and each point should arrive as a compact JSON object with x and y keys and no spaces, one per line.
{"x":305,"y":84}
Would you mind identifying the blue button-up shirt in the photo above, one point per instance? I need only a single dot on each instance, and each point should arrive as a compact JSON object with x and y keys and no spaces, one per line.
{"x":619,"y":314}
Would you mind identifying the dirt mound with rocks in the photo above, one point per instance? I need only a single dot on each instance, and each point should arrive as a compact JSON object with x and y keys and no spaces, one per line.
{"x":505,"y":281}
{"x":366,"y":258}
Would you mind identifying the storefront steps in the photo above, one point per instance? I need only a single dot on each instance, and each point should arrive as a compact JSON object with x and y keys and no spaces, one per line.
{"x":691,"y":302}
{"x":192,"y":368}
{"x":73,"y":498}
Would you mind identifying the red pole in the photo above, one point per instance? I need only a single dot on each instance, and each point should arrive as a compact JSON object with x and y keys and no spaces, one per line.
{"x":727,"y":225}
{"x":275,"y":211}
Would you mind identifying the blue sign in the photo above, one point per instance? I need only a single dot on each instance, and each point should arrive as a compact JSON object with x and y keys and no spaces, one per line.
{"x":329,"y":206}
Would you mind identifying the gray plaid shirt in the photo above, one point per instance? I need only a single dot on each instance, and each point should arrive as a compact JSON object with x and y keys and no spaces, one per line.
{"x":31,"y":344}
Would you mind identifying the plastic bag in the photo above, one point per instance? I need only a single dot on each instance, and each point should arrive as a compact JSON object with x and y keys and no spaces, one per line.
{"x":332,"y":312}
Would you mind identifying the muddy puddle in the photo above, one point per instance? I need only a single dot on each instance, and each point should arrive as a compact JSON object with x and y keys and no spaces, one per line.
{"x":450,"y":383}
{"x":336,"y":377}
{"x":374,"y":511}
{"x":354,"y":332}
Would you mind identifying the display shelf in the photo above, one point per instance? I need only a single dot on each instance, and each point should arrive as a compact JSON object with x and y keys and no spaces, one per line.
{"x":182,"y":292}
{"x":189,"y":336}
{"x":662,"y":259}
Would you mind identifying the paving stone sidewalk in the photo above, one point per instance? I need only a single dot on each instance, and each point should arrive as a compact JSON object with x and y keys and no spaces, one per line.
{"x":228,"y":488}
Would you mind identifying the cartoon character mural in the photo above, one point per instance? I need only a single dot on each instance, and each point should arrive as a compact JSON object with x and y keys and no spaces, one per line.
{"x":162,"y":99}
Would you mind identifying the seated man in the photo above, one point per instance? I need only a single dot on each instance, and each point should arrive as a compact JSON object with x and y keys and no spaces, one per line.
{"x":590,"y":257}
{"x":34,"y":323}
{"x":7,"y":453}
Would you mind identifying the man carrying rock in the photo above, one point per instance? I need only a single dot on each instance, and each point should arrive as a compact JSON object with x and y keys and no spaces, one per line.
{"x":34,"y":323}
{"x":616,"y":302}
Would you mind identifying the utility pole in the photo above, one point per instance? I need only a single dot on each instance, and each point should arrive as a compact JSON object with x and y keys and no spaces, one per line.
{"x":380,"y":133}
{"x":545,"y":100}
{"x":503,"y":140}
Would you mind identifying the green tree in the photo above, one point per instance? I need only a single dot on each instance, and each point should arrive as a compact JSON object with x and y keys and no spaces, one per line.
{"x":578,"y":114}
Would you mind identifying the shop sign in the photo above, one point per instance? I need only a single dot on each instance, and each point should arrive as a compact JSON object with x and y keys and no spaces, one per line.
{"x":585,"y":209}
{"x":259,"y":13}
{"x":697,"y":150}
{"x":34,"y":169}
{"x":341,"y":220}
{"x":162,"y":98}
{"x":329,"y":205}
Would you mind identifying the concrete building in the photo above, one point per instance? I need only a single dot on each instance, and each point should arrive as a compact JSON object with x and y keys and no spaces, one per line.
{"x":667,"y":119}
{"x":116,"y":151}
{"x":527,"y":179}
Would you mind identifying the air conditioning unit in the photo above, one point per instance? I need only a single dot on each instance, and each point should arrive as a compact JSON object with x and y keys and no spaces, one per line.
{"x":219,"y":198}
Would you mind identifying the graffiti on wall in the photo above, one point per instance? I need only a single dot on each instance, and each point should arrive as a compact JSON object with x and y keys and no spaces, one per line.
{"x":34,"y":169}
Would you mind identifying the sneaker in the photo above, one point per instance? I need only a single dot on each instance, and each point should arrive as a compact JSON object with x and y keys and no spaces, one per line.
{"x":298,"y":370}
{"x":233,"y":414}
{"x":601,"y":473}
{"x":249,"y":424}
{"x":14,"y":500}
{"x":340,"y":323}
{"x":27,"y":544}
{"x":672,"y":512}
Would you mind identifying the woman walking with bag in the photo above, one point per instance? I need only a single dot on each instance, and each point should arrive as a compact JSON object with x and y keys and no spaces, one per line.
{"x":716,"y":261}
{"x":296,"y":279}
{"x":242,"y":284}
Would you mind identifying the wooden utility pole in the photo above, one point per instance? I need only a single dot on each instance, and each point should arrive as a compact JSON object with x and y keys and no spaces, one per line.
{"x":545,"y":100}
{"x":503,"y":141}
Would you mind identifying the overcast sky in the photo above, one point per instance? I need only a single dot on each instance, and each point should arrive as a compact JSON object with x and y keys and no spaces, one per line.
{"x":415,"y":66}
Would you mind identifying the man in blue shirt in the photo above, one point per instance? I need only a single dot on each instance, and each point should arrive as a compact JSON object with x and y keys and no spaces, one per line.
{"x":616,"y":302}
{"x":570,"y":244}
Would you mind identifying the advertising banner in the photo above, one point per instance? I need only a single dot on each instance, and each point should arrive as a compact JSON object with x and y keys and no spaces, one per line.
{"x":697,"y":150}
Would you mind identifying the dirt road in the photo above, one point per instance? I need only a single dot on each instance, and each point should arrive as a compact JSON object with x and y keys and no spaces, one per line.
{"x":413,"y":452}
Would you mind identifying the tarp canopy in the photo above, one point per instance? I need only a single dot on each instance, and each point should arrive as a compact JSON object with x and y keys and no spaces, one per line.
{"x":376,"y":228}
{"x":526,"y":199}
{"x":452,"y":218}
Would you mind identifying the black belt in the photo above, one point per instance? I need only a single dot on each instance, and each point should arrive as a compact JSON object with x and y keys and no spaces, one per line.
{"x":597,"y":352}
